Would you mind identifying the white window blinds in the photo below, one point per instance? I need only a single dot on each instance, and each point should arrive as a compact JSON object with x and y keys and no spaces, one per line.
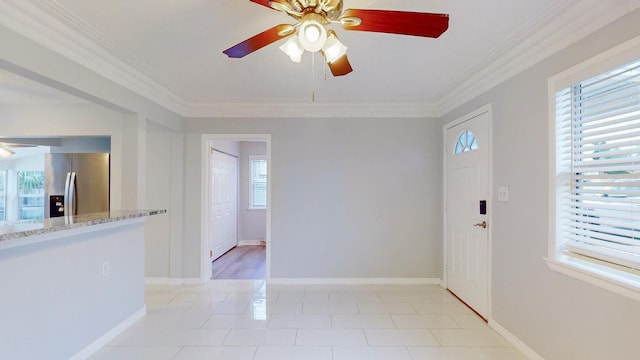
{"x":258,"y":183}
{"x":598,"y":162}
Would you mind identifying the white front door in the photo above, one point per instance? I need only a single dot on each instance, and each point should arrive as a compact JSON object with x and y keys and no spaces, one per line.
{"x":467,"y":185}
{"x":223,"y":203}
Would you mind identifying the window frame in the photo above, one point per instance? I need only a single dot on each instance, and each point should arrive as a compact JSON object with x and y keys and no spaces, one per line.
{"x":252,"y":206}
{"x":21,"y":195}
{"x":4,"y":175}
{"x":466,"y":145}
{"x":599,"y":273}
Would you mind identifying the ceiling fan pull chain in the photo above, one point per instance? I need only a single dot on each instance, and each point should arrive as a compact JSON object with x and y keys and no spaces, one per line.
{"x":324,"y":71}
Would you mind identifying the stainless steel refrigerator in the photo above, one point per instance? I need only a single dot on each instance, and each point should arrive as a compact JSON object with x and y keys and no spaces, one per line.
{"x":76,"y":184}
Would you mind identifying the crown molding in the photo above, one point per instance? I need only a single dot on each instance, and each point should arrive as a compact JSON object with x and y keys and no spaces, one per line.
{"x":561,"y":25}
{"x":312,"y":110}
{"x":51,"y":26}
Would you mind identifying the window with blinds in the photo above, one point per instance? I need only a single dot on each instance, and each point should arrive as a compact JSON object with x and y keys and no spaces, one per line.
{"x":258,"y":196}
{"x":598,"y":168}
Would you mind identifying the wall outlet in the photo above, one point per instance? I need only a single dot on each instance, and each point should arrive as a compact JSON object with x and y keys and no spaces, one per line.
{"x":503,"y":193}
{"x":106,"y":269}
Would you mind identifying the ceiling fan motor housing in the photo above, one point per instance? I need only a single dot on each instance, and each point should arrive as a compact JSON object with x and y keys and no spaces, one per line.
{"x":331,"y":9}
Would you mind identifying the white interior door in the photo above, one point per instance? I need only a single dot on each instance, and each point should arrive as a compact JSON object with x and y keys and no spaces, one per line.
{"x":223,"y":203}
{"x":467,"y":183}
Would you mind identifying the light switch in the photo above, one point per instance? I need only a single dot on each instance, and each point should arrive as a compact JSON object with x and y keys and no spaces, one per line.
{"x":503,"y":193}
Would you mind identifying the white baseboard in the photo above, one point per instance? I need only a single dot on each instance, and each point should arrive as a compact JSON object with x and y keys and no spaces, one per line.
{"x":354,"y":281}
{"x":250,"y":242}
{"x":173,"y":281}
{"x":110,"y":335}
{"x":517,"y":343}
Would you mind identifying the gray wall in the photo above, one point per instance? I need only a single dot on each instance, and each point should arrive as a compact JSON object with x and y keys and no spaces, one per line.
{"x":362,"y":197}
{"x":253,"y":222}
{"x":121,"y":114}
{"x":158,"y":196}
{"x":55,"y":300}
{"x":557,"y":316}
{"x":351,"y":198}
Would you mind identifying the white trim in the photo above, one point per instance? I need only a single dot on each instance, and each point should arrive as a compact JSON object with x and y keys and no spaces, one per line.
{"x":52,"y":26}
{"x":561,"y":25}
{"x":206,"y":140}
{"x":173,"y":281}
{"x":604,"y":277}
{"x":250,"y":242}
{"x":312,"y":110}
{"x":515,"y":341}
{"x":49,"y":24}
{"x":488,"y":109}
{"x":610,"y":59}
{"x":354,"y":281}
{"x":103,"y":340}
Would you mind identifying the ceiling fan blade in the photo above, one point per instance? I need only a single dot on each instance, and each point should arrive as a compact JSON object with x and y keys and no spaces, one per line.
{"x":341,"y":66}
{"x":259,"y":41}
{"x":396,"y":22}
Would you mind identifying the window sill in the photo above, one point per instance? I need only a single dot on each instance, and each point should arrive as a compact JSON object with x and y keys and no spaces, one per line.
{"x":254,"y":208}
{"x":616,"y":281}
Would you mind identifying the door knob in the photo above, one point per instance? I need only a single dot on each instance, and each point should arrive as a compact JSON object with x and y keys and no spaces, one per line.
{"x":482,"y":224}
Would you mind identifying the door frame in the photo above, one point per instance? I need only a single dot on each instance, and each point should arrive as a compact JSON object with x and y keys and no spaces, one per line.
{"x":205,"y":191}
{"x":446,"y":147}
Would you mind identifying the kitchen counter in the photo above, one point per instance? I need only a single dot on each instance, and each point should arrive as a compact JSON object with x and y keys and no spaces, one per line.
{"x":72,"y":284}
{"x":16,"y":234}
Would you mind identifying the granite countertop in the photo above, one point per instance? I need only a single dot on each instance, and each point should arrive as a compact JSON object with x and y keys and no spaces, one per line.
{"x":23,"y":229}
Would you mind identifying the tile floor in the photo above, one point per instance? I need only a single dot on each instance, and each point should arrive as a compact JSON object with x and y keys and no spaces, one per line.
{"x":249,"y":320}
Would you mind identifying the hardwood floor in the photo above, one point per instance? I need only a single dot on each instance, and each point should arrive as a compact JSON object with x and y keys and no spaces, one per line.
{"x":241,"y":262}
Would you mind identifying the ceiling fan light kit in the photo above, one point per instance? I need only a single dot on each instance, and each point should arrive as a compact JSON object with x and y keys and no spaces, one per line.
{"x":312,"y":34}
{"x":333,"y":49}
{"x":4,"y":152}
{"x":293,"y":49}
{"x":312,"y":18}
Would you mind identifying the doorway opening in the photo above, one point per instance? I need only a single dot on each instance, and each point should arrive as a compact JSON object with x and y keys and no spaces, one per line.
{"x":236,"y":216}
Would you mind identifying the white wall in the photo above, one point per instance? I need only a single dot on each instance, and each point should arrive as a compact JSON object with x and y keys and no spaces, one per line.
{"x":253,"y":222}
{"x":557,"y":316}
{"x":70,"y":120}
{"x":351,"y":198}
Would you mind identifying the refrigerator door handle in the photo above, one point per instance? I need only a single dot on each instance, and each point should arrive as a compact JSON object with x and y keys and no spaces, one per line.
{"x":67,"y":195}
{"x":72,"y":195}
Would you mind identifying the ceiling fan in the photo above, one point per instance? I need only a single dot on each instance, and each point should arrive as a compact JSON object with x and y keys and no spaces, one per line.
{"x":5,"y":148}
{"x":312,"y":18}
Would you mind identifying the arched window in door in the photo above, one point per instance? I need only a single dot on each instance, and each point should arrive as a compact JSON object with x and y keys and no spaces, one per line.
{"x":466,"y":142}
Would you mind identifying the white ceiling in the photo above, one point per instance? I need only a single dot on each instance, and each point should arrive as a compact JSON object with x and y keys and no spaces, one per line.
{"x":177,"y":45}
